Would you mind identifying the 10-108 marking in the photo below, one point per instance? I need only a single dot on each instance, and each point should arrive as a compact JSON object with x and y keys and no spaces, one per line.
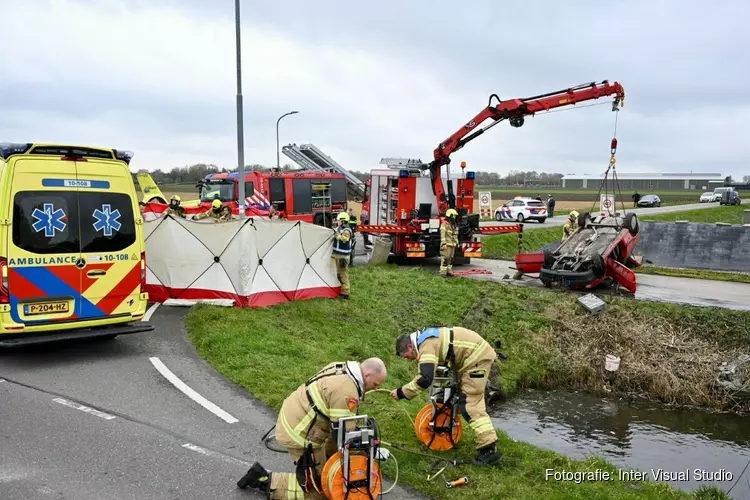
{"x":113,"y":257}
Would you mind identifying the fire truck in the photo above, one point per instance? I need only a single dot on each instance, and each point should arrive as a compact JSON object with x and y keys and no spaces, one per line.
{"x":408,"y":200}
{"x":312,"y":197}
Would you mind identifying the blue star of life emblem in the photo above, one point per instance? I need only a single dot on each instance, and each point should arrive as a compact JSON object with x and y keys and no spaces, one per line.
{"x":48,"y":220}
{"x":106,"y":220}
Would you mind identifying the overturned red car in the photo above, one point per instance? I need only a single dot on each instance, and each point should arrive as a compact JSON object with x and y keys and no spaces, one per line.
{"x":598,"y":252}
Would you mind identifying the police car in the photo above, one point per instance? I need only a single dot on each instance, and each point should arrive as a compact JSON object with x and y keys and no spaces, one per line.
{"x":522,"y":209}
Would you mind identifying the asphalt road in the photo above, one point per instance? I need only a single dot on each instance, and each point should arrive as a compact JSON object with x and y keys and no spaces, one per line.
{"x":160,"y":444}
{"x":559,"y":218}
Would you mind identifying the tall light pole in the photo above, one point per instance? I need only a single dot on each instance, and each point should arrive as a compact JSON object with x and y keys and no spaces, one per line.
{"x":240,"y":121}
{"x":278,"y":166}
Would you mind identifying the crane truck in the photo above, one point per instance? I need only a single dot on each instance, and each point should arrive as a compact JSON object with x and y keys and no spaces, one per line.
{"x":408,"y":205}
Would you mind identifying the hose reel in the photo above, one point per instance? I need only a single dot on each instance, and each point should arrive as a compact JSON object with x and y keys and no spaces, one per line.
{"x":352,"y":473}
{"x":438,"y":425}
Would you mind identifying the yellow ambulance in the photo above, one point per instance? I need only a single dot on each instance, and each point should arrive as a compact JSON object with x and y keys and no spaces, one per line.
{"x":72,"y":250}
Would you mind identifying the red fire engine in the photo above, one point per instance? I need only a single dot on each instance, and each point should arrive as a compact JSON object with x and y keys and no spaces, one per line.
{"x":307,"y":196}
{"x":409,"y":206}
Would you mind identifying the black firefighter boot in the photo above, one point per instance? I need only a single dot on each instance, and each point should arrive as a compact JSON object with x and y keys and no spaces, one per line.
{"x":488,"y":455}
{"x":256,"y":477}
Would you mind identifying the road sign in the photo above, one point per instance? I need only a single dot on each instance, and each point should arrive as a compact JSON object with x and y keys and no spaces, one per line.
{"x":485,"y":205}
{"x":607,"y":204}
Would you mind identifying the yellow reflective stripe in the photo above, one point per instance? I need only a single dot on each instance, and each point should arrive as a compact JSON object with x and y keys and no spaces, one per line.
{"x":465,"y":344}
{"x":428,"y":358}
{"x":445,"y":336}
{"x":340,"y":413}
{"x":317,"y":398}
{"x":290,"y":432}
{"x":293,"y":489}
{"x":412,"y":386}
{"x":302,"y":425}
{"x":478,"y":353}
{"x":481,"y":425}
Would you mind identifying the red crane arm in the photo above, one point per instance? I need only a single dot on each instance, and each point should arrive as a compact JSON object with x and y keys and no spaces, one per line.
{"x":513,"y":110}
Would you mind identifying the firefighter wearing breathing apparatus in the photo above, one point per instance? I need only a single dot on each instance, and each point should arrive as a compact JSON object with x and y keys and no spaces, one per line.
{"x":470,"y":358}
{"x":307,"y":427}
{"x":342,"y":251}
{"x":448,"y":242}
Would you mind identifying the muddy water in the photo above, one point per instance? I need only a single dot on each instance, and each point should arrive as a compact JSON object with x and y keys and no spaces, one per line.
{"x":635,"y":435}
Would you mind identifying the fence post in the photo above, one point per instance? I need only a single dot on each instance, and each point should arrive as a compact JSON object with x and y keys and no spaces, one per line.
{"x":520,"y":239}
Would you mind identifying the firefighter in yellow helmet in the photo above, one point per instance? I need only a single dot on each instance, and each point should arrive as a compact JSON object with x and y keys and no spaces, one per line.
{"x":214,"y":212}
{"x":342,"y":251}
{"x":471,"y":359}
{"x":308,"y":424}
{"x":570,"y":225}
{"x":175,"y":209}
{"x":448,"y":242}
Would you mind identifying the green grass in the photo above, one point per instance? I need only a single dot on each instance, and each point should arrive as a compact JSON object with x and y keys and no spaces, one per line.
{"x":272,"y":351}
{"x":505,"y":246}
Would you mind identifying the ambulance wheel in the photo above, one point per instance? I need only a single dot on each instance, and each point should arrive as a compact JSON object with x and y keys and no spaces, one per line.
{"x":441,"y":441}
{"x":332,"y":478}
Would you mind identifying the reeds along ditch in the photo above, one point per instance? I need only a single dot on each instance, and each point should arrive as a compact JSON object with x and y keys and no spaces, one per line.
{"x":670,"y":358}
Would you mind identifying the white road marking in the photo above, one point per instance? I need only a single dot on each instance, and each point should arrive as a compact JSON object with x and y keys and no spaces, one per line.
{"x":191,"y":393}
{"x":2,"y":380}
{"x":209,"y":453}
{"x":150,"y":312}
{"x":100,"y":414}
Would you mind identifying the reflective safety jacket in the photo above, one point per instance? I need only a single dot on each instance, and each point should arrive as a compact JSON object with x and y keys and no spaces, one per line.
{"x":342,"y":242}
{"x":442,"y":346}
{"x":210,"y":213}
{"x":448,"y":234}
{"x":333,"y":393}
{"x":178,"y":212}
{"x":568,"y":229}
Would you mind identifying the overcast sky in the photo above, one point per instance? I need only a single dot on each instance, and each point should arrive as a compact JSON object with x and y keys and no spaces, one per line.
{"x":386,"y":78}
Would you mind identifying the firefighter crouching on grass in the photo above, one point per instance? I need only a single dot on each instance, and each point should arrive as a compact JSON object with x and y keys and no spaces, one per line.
{"x":471,"y":359}
{"x":307,"y":427}
{"x":216,"y":213}
{"x":570,"y":224}
{"x":174,"y":207}
{"x":448,"y":242}
{"x":342,"y":251}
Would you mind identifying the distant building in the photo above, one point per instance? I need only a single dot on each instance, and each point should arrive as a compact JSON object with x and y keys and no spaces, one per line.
{"x":648,"y":182}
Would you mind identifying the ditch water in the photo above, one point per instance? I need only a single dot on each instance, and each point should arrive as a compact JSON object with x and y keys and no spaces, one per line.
{"x":634,"y":435}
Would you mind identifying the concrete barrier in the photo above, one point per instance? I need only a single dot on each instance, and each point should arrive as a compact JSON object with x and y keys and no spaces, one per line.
{"x":695,"y":246}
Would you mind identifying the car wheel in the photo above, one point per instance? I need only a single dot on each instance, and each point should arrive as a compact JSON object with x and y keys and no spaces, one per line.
{"x":583,"y":219}
{"x":631,"y":223}
{"x":520,"y":218}
{"x":541,"y":221}
{"x":597,"y":264}
{"x":498,"y":217}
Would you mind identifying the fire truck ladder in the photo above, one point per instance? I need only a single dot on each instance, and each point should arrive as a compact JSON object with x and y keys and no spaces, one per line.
{"x":310,"y":157}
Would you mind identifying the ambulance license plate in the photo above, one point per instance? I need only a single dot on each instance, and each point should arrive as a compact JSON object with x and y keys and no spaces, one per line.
{"x":46,"y":308}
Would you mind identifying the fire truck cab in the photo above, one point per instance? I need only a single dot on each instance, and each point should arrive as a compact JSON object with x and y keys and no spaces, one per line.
{"x":312,"y":197}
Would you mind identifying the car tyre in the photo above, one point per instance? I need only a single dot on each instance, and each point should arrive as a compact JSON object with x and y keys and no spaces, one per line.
{"x":583,"y":219}
{"x":498,"y":217}
{"x":520,"y":218}
{"x":597,"y":264}
{"x":541,"y":221}
{"x":631,"y":223}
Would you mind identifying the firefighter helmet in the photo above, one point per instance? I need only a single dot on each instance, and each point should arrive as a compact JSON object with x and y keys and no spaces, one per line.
{"x":216,"y":204}
{"x":451,"y":213}
{"x":574,"y":214}
{"x":175,"y":198}
{"x":343,"y":216}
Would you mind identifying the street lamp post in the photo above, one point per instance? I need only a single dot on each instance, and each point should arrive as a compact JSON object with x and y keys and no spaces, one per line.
{"x":278,"y":166}
{"x":240,"y":121}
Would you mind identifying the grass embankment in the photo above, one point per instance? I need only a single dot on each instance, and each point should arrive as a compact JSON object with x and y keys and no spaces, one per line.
{"x":505,"y":246}
{"x":667,"y":351}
